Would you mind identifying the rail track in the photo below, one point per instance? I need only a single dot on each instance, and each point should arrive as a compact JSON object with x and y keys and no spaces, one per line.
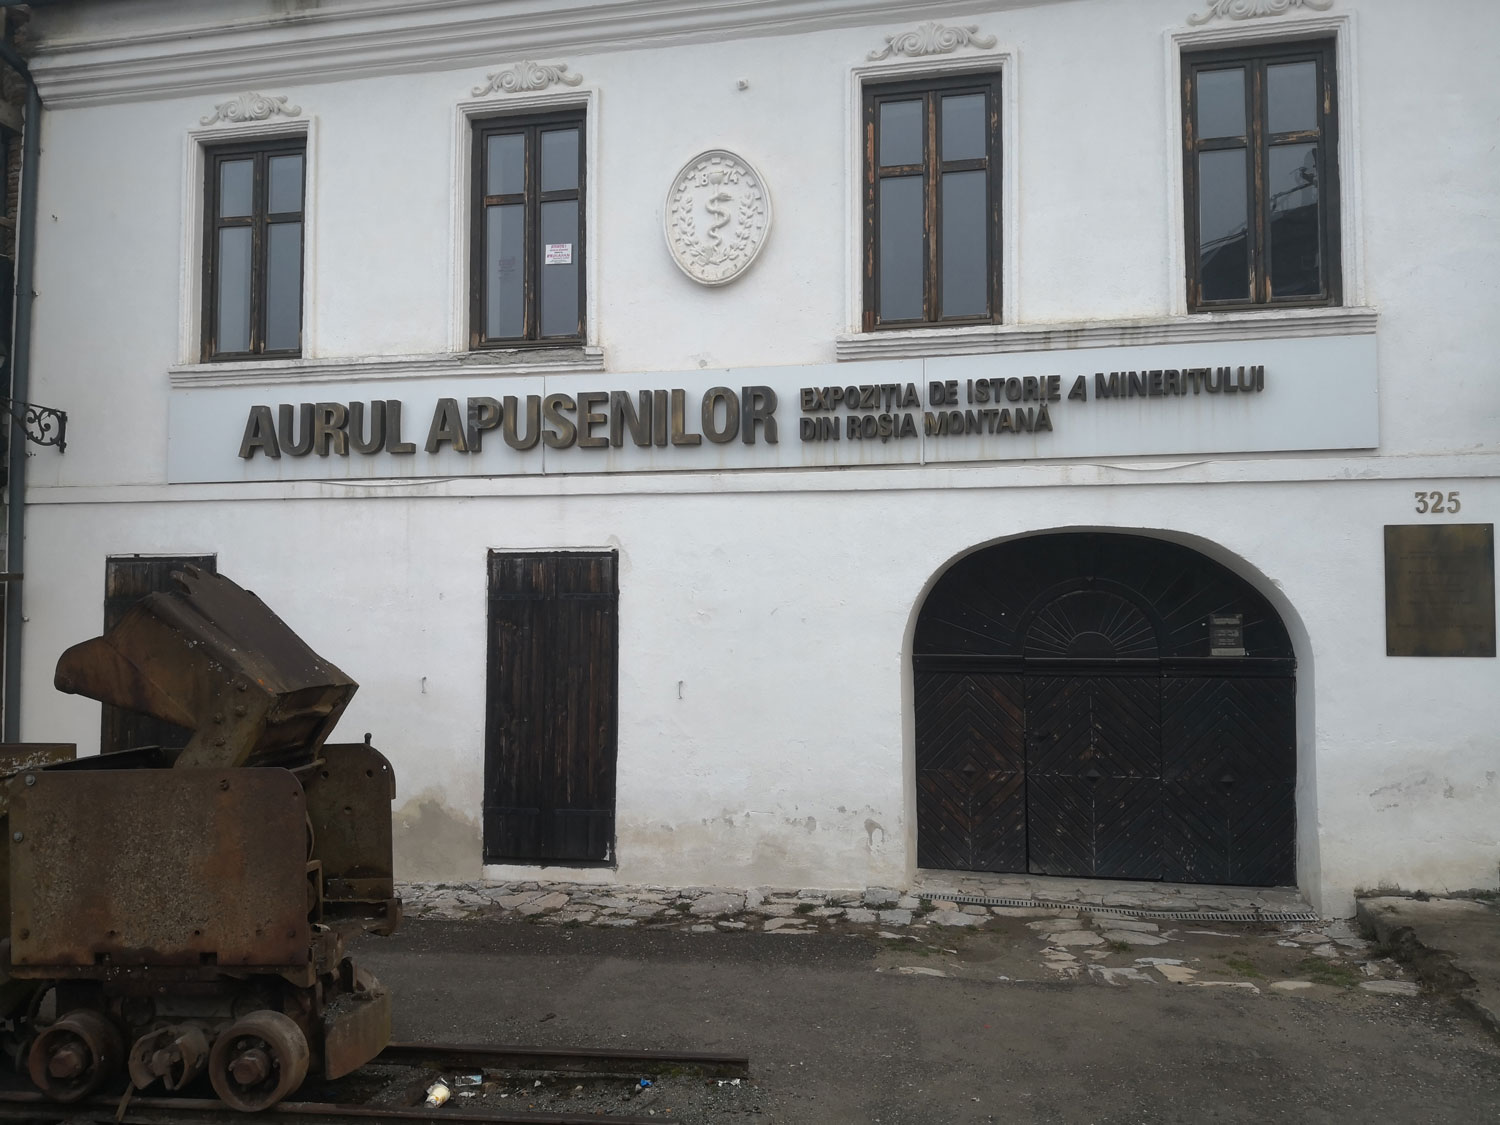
{"x":32,"y":1107}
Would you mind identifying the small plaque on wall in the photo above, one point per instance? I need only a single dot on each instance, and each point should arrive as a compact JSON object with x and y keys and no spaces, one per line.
{"x":1440,"y":589}
{"x":1226,"y":634}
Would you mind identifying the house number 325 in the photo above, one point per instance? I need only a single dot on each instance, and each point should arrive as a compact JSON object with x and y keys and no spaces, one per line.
{"x":1437,"y":504}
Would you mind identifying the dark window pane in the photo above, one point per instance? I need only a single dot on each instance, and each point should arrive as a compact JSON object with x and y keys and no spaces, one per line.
{"x":965,"y":244}
{"x":560,"y":160}
{"x":503,"y":264}
{"x":964,"y":128}
{"x":1221,"y":103}
{"x":506,"y":165}
{"x":286,"y":183}
{"x":559,"y":295}
{"x":234,"y":289}
{"x":1293,"y":242}
{"x":236,"y":188}
{"x":283,"y":285}
{"x":901,"y":252}
{"x":900,"y":133}
{"x":1292,"y":97}
{"x":1224,"y":262}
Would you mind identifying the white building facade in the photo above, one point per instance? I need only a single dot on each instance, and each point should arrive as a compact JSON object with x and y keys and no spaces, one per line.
{"x":794,"y":442}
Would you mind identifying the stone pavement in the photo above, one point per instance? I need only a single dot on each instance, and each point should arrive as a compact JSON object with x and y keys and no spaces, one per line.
{"x":1452,"y":944}
{"x":1173,"y":897}
{"x":1061,"y":930}
{"x":931,"y":901}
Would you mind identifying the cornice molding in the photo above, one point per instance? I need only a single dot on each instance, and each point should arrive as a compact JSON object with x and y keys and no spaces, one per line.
{"x":1253,"y":9}
{"x":526,"y":77}
{"x":932,"y":39}
{"x":248,"y":107}
{"x":333,"y":40}
{"x":437,"y":365}
{"x":1207,"y":328}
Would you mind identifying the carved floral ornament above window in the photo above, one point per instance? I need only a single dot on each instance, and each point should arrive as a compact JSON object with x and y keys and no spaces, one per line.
{"x":526,"y":77}
{"x":933,"y":39}
{"x":250,"y":106}
{"x":1254,"y":9}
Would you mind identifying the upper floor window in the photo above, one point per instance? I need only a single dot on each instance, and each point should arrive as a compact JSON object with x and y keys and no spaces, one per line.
{"x":527,"y":242}
{"x":932,"y":202}
{"x":1261,"y":175}
{"x":252,"y":249}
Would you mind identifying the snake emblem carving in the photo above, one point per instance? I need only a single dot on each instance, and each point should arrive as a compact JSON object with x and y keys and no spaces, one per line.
{"x":717,"y":214}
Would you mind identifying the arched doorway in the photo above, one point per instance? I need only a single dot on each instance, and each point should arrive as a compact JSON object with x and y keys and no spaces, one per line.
{"x":1104,"y":705}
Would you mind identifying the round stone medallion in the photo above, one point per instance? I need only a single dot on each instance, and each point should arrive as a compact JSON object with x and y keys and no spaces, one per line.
{"x":717,"y":216}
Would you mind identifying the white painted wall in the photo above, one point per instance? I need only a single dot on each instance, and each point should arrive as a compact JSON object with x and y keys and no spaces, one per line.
{"x":782,"y":600}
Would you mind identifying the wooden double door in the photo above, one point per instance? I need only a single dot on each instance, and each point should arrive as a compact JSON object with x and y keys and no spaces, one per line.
{"x":1107,"y":705}
{"x":1134,"y":774}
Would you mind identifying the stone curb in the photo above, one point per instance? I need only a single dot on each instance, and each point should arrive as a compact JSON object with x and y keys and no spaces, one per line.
{"x":1436,"y":967}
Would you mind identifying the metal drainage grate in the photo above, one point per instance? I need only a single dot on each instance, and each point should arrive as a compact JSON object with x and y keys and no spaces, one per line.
{"x":1138,"y":912}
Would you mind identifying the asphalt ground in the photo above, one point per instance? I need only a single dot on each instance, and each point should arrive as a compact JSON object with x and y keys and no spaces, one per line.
{"x":954,"y":1026}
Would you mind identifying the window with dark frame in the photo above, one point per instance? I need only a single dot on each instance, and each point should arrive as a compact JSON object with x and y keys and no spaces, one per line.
{"x":932,"y":202}
{"x":252,"y":249}
{"x":1261,"y":177}
{"x":526,"y":248}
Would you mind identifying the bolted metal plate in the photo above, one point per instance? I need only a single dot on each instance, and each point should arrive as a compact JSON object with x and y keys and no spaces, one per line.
{"x":113,"y":869}
{"x":349,"y":798}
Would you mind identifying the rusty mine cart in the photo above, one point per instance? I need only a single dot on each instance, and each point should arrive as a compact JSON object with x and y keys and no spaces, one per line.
{"x":175,"y":912}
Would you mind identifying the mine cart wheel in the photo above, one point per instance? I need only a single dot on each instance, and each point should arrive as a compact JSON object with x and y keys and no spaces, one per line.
{"x":76,"y":1055}
{"x":258,"y":1060}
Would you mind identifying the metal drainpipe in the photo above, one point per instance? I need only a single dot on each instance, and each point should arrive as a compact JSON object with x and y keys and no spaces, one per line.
{"x":20,"y":378}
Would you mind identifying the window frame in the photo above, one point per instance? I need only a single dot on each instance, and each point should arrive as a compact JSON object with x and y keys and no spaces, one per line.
{"x":262,"y":149}
{"x":532,"y":125}
{"x":1257,"y":142}
{"x":875,"y":91}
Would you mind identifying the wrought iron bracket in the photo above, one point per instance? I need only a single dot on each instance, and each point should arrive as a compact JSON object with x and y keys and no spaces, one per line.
{"x":42,"y":425}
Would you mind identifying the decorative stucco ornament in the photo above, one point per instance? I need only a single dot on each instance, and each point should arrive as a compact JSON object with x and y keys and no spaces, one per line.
{"x":250,"y":106}
{"x":1254,"y":9}
{"x":932,"y":39}
{"x":526,"y":77}
{"x":717,"y":216}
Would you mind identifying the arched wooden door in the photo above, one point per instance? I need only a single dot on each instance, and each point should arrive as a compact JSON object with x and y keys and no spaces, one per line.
{"x":1104,"y":705}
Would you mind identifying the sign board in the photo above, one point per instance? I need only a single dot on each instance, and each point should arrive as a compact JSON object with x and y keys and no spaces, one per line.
{"x":1440,"y":589}
{"x":1170,"y":400}
{"x":1226,"y":634}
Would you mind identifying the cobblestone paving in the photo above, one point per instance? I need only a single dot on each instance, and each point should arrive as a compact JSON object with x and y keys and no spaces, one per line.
{"x":929,"y":902}
{"x":1069,"y":930}
{"x":1177,"y":897}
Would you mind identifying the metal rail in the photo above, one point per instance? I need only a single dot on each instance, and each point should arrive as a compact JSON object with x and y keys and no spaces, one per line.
{"x":35,"y":1109}
{"x":32,"y":1107}
{"x":564,"y":1060}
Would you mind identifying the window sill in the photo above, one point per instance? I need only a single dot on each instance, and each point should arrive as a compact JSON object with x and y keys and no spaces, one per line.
{"x":1197,"y":328}
{"x":254,"y":372}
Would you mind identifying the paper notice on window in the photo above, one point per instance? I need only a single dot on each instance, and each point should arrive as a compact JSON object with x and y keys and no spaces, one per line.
{"x":559,"y":254}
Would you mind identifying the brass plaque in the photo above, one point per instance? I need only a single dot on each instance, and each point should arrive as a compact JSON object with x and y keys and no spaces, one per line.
{"x":1440,"y":589}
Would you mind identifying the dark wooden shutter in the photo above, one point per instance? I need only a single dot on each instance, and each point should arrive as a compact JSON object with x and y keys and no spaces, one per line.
{"x":128,"y":579}
{"x":550,"y":714}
